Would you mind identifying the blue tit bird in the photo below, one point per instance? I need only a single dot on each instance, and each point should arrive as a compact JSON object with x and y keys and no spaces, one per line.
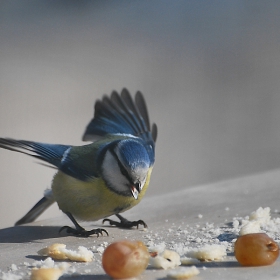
{"x":103,"y":178}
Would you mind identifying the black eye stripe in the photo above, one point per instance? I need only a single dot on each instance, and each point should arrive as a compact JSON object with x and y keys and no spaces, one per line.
{"x":122,"y":169}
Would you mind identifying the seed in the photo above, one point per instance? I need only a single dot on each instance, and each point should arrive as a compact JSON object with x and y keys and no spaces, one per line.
{"x":256,"y":249}
{"x":125,"y":259}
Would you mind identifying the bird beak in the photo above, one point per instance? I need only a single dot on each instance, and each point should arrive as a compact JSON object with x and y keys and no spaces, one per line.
{"x":134,"y":192}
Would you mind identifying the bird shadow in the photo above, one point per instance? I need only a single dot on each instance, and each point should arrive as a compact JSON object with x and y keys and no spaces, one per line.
{"x":27,"y":233}
{"x":22,"y":234}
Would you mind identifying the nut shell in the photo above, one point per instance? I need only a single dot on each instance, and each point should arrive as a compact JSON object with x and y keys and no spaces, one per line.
{"x":125,"y":259}
{"x":256,"y":249}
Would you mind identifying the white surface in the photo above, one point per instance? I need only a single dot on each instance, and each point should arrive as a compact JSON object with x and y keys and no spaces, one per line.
{"x":168,"y":217}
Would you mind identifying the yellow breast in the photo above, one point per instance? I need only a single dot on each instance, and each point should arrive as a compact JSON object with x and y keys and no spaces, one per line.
{"x":92,"y":200}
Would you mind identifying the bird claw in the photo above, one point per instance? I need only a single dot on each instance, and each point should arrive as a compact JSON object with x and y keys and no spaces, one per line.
{"x":124,"y":223}
{"x":84,"y":233}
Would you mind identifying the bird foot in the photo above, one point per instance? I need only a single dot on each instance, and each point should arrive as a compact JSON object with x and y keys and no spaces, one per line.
{"x":81,"y":232}
{"x":124,"y":223}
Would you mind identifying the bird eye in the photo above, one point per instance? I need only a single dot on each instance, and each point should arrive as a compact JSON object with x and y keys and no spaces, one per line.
{"x":138,"y":186}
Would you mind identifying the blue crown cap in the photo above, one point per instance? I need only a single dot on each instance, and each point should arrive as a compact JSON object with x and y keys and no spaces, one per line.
{"x":134,"y":154}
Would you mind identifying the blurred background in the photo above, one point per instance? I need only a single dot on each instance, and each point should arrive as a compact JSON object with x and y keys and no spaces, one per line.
{"x":209,"y":71}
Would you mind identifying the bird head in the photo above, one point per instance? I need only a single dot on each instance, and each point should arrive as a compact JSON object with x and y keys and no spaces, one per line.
{"x":125,"y":167}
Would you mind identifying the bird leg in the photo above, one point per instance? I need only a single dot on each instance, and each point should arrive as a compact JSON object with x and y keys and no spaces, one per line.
{"x":124,"y":223}
{"x":80,"y":231}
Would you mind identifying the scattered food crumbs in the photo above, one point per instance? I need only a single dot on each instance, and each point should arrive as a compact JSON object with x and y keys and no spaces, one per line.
{"x":59,"y":252}
{"x":10,"y":276}
{"x":190,"y":245}
{"x":183,"y":272}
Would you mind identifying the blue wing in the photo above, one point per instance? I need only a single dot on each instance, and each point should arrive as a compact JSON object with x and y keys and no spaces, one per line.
{"x":120,"y":114}
{"x":51,"y":153}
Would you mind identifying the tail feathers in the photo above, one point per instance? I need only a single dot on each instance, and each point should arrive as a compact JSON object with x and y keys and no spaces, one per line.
{"x":37,"y":210}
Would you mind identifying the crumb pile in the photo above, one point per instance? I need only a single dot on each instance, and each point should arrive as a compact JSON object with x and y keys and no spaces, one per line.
{"x":186,"y":240}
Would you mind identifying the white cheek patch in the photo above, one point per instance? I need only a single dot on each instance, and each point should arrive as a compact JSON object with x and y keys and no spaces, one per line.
{"x":112,"y":173}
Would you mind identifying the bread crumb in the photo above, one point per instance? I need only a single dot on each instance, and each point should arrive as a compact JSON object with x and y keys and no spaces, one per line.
{"x":262,"y":215}
{"x":183,"y":272}
{"x":167,"y":259}
{"x":258,"y":221}
{"x":250,"y":227}
{"x":235,"y":224}
{"x":208,"y":252}
{"x":47,"y":263}
{"x":46,"y":273}
{"x":100,"y":249}
{"x":188,"y":261}
{"x":59,"y":252}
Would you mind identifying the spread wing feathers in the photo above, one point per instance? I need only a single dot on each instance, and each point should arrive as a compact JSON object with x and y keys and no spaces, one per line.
{"x":154,"y":132}
{"x":120,"y":114}
{"x":50,"y":153}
